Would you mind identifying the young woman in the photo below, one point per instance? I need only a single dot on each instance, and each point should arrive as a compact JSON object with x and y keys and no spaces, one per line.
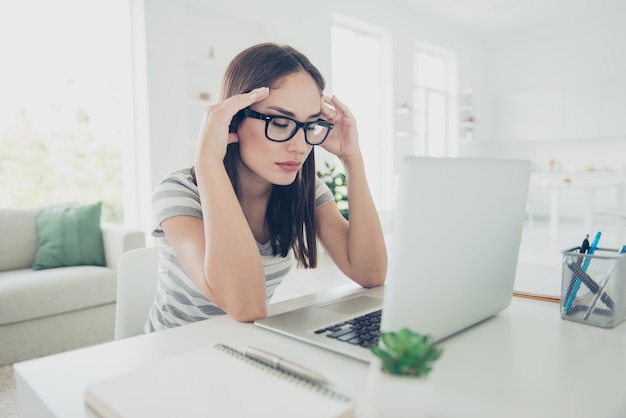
{"x":231,"y":226}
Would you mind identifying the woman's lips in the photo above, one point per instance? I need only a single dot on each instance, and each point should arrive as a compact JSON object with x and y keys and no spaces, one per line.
{"x":290,"y":165}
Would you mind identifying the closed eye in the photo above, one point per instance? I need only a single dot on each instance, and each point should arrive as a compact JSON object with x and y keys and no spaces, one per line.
{"x":281,"y":122}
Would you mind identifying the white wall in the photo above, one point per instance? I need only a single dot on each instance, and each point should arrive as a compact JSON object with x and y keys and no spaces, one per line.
{"x":172,"y":26}
{"x":407,"y":27}
{"x":558,"y":95}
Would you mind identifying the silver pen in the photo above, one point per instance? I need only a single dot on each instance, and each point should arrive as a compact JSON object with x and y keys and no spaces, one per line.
{"x":281,"y":363}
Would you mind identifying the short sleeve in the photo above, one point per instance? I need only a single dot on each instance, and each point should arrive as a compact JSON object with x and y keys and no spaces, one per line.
{"x":323,"y":194}
{"x":176,"y":195}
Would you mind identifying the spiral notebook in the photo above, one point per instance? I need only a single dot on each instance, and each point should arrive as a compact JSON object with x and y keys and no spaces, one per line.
{"x":215,"y":381}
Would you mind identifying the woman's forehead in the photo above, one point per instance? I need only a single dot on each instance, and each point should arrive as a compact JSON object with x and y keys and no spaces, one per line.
{"x":297,"y":93}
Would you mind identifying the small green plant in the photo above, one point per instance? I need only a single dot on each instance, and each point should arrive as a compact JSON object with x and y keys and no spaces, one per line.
{"x":335,"y":179}
{"x":406,"y":353}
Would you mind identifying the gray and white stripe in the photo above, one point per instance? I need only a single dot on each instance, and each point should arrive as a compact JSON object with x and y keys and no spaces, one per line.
{"x":178,"y":301}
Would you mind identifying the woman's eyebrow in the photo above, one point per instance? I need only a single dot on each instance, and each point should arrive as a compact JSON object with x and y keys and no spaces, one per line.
{"x":291,"y":114}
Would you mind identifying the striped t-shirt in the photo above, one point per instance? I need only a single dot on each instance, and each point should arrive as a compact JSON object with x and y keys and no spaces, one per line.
{"x":178,"y":301}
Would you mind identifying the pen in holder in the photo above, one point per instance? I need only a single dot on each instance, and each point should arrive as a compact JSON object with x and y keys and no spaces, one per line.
{"x":593,"y":287}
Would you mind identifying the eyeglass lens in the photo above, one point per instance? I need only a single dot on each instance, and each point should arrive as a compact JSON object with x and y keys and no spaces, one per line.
{"x":281,"y":129}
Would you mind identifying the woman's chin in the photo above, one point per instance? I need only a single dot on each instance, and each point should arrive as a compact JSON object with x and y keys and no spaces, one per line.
{"x":284,"y":179}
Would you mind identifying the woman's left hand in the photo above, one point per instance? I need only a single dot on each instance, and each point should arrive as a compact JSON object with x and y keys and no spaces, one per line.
{"x":343,"y":140}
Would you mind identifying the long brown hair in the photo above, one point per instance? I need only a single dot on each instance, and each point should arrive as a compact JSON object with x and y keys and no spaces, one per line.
{"x":290,"y":214}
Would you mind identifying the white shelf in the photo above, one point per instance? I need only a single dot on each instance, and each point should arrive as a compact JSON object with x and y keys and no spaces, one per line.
{"x":468,"y":115}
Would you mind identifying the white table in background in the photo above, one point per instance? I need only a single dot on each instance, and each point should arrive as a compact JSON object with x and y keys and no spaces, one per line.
{"x":523,"y":362}
{"x":587,"y":186}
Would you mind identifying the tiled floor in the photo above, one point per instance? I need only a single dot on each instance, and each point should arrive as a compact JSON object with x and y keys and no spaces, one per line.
{"x":539,"y":269}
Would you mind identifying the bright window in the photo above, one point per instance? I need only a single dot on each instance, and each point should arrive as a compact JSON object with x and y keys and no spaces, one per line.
{"x":434,"y":74}
{"x":66,"y":102}
{"x":361,"y":68}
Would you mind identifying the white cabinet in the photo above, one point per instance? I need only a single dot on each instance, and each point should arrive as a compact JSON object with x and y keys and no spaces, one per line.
{"x":565,"y":114}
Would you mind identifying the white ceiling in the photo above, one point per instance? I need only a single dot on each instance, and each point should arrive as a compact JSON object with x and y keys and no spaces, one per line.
{"x":494,"y":17}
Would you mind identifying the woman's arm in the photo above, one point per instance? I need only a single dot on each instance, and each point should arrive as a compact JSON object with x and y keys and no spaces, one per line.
{"x":219,"y":252}
{"x":357,"y":247}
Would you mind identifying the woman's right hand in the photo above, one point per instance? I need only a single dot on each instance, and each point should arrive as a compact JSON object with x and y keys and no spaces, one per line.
{"x":214,"y":136}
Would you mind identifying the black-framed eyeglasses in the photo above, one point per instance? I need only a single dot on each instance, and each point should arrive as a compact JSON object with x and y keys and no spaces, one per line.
{"x":282,"y":128}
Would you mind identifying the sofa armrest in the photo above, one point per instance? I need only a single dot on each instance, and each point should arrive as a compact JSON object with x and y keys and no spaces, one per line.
{"x":119,"y":239}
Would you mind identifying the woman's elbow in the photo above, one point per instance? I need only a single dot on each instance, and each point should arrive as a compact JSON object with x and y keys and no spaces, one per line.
{"x":372,"y":278}
{"x":373,"y":282}
{"x":248,"y":314}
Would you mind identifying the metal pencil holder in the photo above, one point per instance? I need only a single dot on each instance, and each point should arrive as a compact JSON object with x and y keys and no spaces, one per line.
{"x":593,"y":288}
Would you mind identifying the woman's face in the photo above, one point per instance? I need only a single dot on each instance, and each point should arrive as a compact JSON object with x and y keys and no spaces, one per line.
{"x":296,"y":96}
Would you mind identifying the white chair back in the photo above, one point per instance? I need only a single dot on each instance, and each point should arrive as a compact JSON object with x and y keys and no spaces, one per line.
{"x":136,"y":287}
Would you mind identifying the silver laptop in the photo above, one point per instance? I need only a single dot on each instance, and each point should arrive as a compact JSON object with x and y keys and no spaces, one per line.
{"x":453,"y":256}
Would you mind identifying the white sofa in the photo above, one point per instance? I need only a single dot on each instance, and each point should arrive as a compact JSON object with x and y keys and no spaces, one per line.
{"x":47,"y":311}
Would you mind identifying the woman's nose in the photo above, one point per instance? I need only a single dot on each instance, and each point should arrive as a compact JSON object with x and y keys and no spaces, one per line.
{"x":298,"y":142}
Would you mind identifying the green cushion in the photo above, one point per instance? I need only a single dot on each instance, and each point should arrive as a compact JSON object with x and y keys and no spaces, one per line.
{"x":69,"y":236}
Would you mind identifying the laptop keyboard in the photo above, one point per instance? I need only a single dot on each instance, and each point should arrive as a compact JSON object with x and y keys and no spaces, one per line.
{"x":362,"y":330}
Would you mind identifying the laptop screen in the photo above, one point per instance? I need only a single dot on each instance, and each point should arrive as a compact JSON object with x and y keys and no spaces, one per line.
{"x":455,"y":245}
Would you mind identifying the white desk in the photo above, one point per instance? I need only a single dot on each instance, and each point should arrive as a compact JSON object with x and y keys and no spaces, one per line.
{"x":524,"y":362}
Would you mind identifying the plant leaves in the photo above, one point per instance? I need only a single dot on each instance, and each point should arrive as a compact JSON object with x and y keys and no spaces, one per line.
{"x":406,"y":352}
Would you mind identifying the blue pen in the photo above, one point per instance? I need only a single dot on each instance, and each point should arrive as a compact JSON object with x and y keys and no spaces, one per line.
{"x":572,"y":295}
{"x":603,"y":283}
